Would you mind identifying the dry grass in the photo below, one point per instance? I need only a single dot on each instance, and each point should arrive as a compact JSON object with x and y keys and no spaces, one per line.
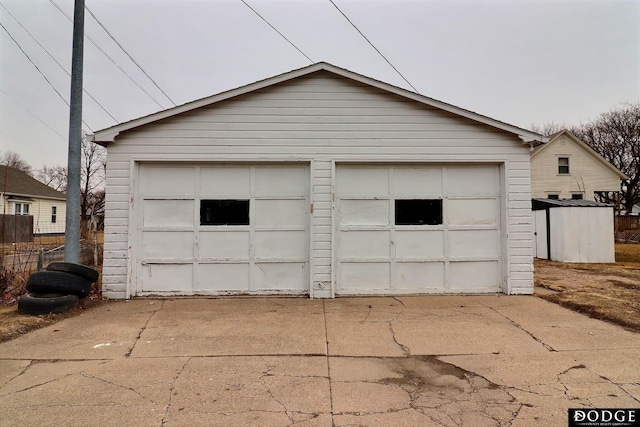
{"x":12,"y":285}
{"x":604,"y":291}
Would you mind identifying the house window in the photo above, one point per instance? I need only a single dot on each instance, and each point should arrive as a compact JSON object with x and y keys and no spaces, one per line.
{"x":224,"y":212}
{"x":22,"y":209}
{"x":419,"y":212}
{"x":54,"y":214}
{"x":577,"y":196}
{"x":563,"y":165}
{"x":553,"y":196}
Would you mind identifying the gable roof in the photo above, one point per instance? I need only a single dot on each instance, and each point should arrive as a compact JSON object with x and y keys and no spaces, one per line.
{"x":556,"y":136}
{"x":108,"y":135}
{"x":17,"y":183}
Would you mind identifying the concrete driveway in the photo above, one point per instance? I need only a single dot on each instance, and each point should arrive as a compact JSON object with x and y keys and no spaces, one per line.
{"x":405,"y":361}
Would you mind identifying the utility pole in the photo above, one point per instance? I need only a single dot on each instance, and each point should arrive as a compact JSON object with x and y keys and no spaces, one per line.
{"x":72,"y":227}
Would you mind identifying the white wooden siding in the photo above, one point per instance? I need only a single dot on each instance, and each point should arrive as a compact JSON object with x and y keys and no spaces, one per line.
{"x":586,"y":174}
{"x":42,"y":216}
{"x":322,"y":119}
{"x":40,"y":209}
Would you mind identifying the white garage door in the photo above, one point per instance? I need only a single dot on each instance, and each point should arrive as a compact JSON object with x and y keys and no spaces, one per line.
{"x":418,"y":229}
{"x":218,"y":229}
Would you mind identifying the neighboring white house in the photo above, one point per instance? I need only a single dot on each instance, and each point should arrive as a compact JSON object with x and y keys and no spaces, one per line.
{"x":319,"y":181}
{"x":567,"y":168}
{"x":21,"y":194}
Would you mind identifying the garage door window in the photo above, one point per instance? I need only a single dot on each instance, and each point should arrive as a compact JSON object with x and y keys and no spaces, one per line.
{"x":224,"y":212}
{"x":419,"y":212}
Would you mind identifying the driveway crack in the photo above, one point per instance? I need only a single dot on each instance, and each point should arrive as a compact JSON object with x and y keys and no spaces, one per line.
{"x":84,"y":374}
{"x":143,"y":329}
{"x":406,"y":350}
{"x":519,"y":326}
{"x":165,"y":418}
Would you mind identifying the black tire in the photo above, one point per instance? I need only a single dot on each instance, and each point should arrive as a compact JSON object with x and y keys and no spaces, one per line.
{"x":83,"y":271}
{"x":58,"y":282}
{"x":46,"y":303}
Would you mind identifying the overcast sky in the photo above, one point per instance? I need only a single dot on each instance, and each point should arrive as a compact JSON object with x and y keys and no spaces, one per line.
{"x":518,"y":61}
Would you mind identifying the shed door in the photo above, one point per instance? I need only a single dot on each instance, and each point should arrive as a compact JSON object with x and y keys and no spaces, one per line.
{"x":418,"y":229}
{"x":216,"y":229}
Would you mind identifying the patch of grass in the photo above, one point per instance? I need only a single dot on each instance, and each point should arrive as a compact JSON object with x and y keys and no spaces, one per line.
{"x":604,"y":291}
{"x":628,"y":253}
{"x":620,"y":306}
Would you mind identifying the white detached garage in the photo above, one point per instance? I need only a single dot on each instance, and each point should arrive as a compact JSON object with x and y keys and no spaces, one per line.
{"x":319,"y":181}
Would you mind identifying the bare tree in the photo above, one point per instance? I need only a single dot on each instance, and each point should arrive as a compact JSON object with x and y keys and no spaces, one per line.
{"x":14,"y":160}
{"x":615,"y":135}
{"x":92,"y":180}
{"x":54,"y":176}
{"x":548,"y":128}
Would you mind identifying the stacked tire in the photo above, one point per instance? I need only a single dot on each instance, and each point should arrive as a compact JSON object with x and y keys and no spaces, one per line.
{"x":57,"y":289}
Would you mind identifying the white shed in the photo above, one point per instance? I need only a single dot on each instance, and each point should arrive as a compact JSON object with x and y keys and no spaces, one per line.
{"x":320,"y":182}
{"x":574,"y":231}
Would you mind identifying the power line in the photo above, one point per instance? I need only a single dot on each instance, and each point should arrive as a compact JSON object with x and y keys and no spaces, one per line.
{"x":40,"y":71}
{"x":56,"y":61}
{"x":109,"y":58}
{"x":369,"y":41}
{"x":128,"y":55}
{"x":274,"y":29}
{"x":30,"y":112}
{"x":34,"y":64}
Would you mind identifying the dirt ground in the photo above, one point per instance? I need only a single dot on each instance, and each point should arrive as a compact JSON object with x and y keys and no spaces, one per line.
{"x":605,"y":291}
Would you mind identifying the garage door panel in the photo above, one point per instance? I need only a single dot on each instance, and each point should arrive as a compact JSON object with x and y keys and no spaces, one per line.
{"x":474,"y":243}
{"x":470,"y":275}
{"x":224,"y":244}
{"x":419,"y":244}
{"x":281,"y":181}
{"x":164,"y":179}
{"x":225,"y":182}
{"x":281,"y":276}
{"x":364,"y":212}
{"x":362,"y":181}
{"x":223,"y":277}
{"x":472,"y":180}
{"x":168,"y":213}
{"x":364,"y":244}
{"x":281,"y":244}
{"x":378,"y":254}
{"x":365,"y":276}
{"x":269,"y":252}
{"x":168,"y":245}
{"x":473,"y":211}
{"x":417,"y":182}
{"x":167,"y":278}
{"x":419,"y":275}
{"x":280,"y":213}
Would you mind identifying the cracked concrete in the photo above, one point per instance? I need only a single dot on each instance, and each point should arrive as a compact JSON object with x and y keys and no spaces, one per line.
{"x":415,"y":361}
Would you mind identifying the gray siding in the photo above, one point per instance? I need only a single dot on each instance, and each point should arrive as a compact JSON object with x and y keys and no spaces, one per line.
{"x":322,"y":119}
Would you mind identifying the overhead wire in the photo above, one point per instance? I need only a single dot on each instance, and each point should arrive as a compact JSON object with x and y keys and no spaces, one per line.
{"x":40,"y":71}
{"x":276,"y":30}
{"x":373,"y":46}
{"x":109,"y":58}
{"x":32,"y":114}
{"x":56,"y":61}
{"x":128,"y":55}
